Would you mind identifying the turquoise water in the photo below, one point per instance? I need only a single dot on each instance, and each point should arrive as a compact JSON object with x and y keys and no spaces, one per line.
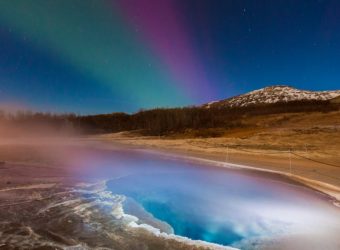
{"x":171,"y":198}
{"x":223,"y":206}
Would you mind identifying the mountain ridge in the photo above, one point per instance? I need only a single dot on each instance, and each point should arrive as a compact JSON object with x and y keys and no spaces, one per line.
{"x":273,"y":94}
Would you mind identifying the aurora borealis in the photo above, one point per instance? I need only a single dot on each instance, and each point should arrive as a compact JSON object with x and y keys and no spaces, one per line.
{"x":92,"y":56}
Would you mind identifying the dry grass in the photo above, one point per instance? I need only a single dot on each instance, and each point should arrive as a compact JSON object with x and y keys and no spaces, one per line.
{"x":317,"y":134}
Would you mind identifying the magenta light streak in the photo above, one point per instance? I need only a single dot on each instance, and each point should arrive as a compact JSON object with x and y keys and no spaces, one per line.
{"x":161,"y":26}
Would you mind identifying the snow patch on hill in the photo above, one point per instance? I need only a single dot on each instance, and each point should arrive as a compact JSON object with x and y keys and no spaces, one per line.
{"x":274,"y":94}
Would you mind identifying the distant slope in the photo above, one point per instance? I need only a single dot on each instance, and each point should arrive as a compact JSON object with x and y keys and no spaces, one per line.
{"x":208,"y":120}
{"x":336,"y":100}
{"x":274,"y":94}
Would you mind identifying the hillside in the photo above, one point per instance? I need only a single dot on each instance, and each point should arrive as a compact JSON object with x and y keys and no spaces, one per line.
{"x":212,"y":120}
{"x":274,"y":94}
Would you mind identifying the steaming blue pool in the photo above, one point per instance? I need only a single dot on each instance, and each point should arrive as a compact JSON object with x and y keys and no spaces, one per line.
{"x":220,"y":205}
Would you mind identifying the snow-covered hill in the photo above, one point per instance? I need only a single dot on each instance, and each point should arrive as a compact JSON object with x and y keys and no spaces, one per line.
{"x":273,"y":94}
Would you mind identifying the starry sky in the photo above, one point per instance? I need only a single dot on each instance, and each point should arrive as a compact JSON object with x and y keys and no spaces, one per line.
{"x":102,"y":56}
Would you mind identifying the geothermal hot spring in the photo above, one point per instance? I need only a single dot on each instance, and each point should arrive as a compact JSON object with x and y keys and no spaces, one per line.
{"x":226,"y":206}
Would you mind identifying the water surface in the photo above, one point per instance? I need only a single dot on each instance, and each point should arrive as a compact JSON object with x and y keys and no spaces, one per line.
{"x":219,"y":205}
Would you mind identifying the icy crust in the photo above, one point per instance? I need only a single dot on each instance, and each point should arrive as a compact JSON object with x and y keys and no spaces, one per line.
{"x":185,"y":240}
{"x":84,"y":216}
{"x":274,"y":94}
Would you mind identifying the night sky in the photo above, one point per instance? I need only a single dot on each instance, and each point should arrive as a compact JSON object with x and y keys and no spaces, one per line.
{"x":101,"y":56}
